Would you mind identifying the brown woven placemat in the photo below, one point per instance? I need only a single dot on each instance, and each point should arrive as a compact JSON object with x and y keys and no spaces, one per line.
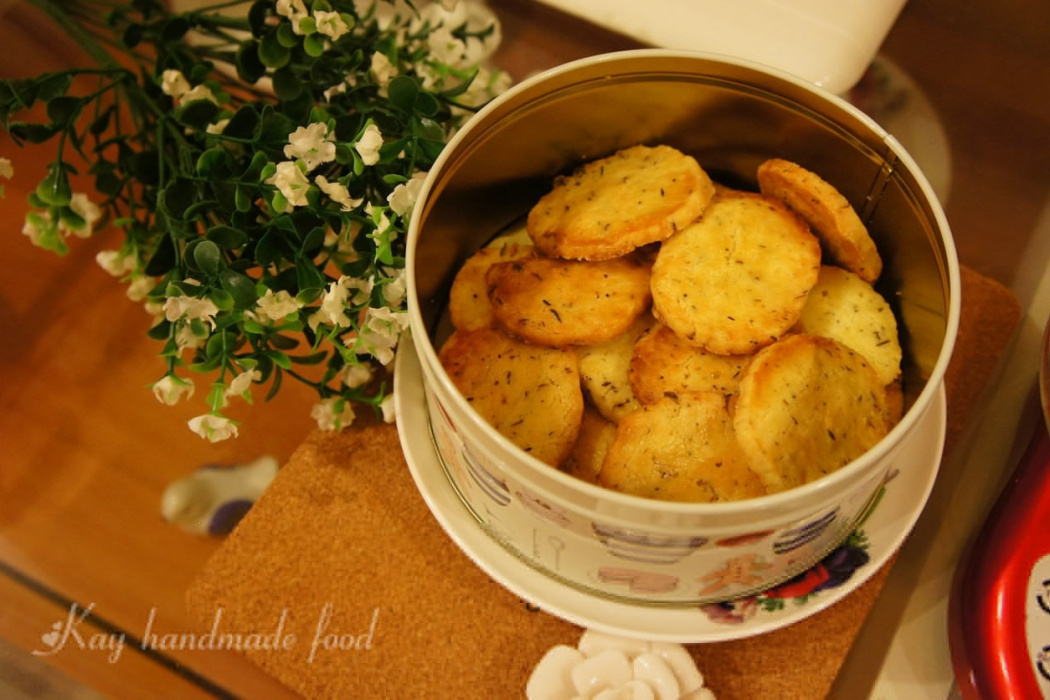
{"x":373,"y":600}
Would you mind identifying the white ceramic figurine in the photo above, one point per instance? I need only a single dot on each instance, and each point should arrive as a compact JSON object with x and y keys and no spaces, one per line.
{"x":214,"y":498}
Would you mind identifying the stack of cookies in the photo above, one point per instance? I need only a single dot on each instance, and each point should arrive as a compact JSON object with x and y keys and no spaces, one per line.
{"x":661,"y":334}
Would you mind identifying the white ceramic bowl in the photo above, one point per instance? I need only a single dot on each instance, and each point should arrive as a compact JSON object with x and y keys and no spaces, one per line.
{"x":730,"y":115}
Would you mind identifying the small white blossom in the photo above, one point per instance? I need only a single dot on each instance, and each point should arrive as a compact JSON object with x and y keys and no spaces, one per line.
{"x":336,"y":300}
{"x":7,"y":170}
{"x":295,"y":11}
{"x":311,"y":144}
{"x":115,"y":263}
{"x":379,"y":334}
{"x":171,"y":389}
{"x":187,"y":339}
{"x":174,"y":83}
{"x":369,"y":144}
{"x":139,"y":287}
{"x":338,"y":193}
{"x":388,"y":406}
{"x":383,"y":71}
{"x":331,"y":24}
{"x":333,"y":307}
{"x":241,"y":384}
{"x":218,"y":127}
{"x":404,"y":196}
{"x":333,"y":414}
{"x":38,"y":227}
{"x":355,"y":376}
{"x":394,"y":291}
{"x":290,"y":182}
{"x":276,"y":306}
{"x":213,"y":427}
{"x":200,"y":92}
{"x":189,"y":308}
{"x":87,"y":210}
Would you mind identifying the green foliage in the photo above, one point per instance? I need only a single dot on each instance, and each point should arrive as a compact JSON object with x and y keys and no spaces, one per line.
{"x":261,"y":166}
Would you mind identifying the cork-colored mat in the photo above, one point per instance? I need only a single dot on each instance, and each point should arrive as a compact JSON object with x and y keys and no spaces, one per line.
{"x":342,"y":553}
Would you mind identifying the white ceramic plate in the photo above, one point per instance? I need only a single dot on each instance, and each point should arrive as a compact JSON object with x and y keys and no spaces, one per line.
{"x":868,"y":548}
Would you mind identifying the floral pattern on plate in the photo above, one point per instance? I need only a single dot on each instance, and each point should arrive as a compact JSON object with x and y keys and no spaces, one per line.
{"x":833,"y":571}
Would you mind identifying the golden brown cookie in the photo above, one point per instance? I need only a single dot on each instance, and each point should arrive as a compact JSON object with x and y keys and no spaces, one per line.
{"x":844,"y":307}
{"x":663,"y":364}
{"x":468,"y":299}
{"x":736,"y":279}
{"x":568,"y":302}
{"x":596,"y":435}
{"x":807,"y":406}
{"x":604,"y":371}
{"x":681,"y":448}
{"x":843,"y":235}
{"x":530,"y":394}
{"x":611,"y":206}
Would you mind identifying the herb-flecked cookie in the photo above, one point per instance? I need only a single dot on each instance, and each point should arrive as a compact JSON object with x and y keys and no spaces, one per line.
{"x":736,"y":280}
{"x":569,"y":302}
{"x":807,"y":406}
{"x":843,"y":235}
{"x":663,"y":364}
{"x":468,"y":299}
{"x":681,"y":448}
{"x":529,"y":393}
{"x":611,"y":206}
{"x":844,"y":307}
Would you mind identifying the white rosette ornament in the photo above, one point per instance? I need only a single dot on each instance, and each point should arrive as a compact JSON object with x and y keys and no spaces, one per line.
{"x":609,"y":667}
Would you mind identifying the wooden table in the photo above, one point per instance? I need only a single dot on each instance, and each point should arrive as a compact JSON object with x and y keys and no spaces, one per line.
{"x":88,"y":451}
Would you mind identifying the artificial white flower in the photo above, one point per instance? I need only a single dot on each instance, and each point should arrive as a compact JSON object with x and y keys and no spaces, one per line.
{"x":388,"y":406}
{"x":213,"y":427}
{"x":383,"y":71}
{"x":276,"y":306}
{"x":311,"y":144}
{"x":396,"y":288}
{"x":404,"y":196}
{"x":609,"y":667}
{"x":187,"y":339}
{"x":291,"y":183}
{"x":115,"y":263}
{"x":174,"y":83}
{"x":87,"y":210}
{"x":38,"y":227}
{"x":295,"y":11}
{"x":241,"y":384}
{"x":338,"y":193}
{"x":331,"y":24}
{"x":379,"y":333}
{"x":369,"y":144}
{"x":139,"y":287}
{"x":200,"y":92}
{"x":333,"y":413}
{"x":445,"y":47}
{"x":7,"y":170}
{"x":355,"y":376}
{"x":218,"y":127}
{"x":171,"y":389}
{"x":332,"y":310}
{"x":190,"y":308}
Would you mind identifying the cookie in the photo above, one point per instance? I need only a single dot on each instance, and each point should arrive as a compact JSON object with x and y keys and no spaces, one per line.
{"x":611,"y":206}
{"x":681,"y":448}
{"x":736,"y":280}
{"x":842,"y":234}
{"x":807,"y":406}
{"x":530,"y":394}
